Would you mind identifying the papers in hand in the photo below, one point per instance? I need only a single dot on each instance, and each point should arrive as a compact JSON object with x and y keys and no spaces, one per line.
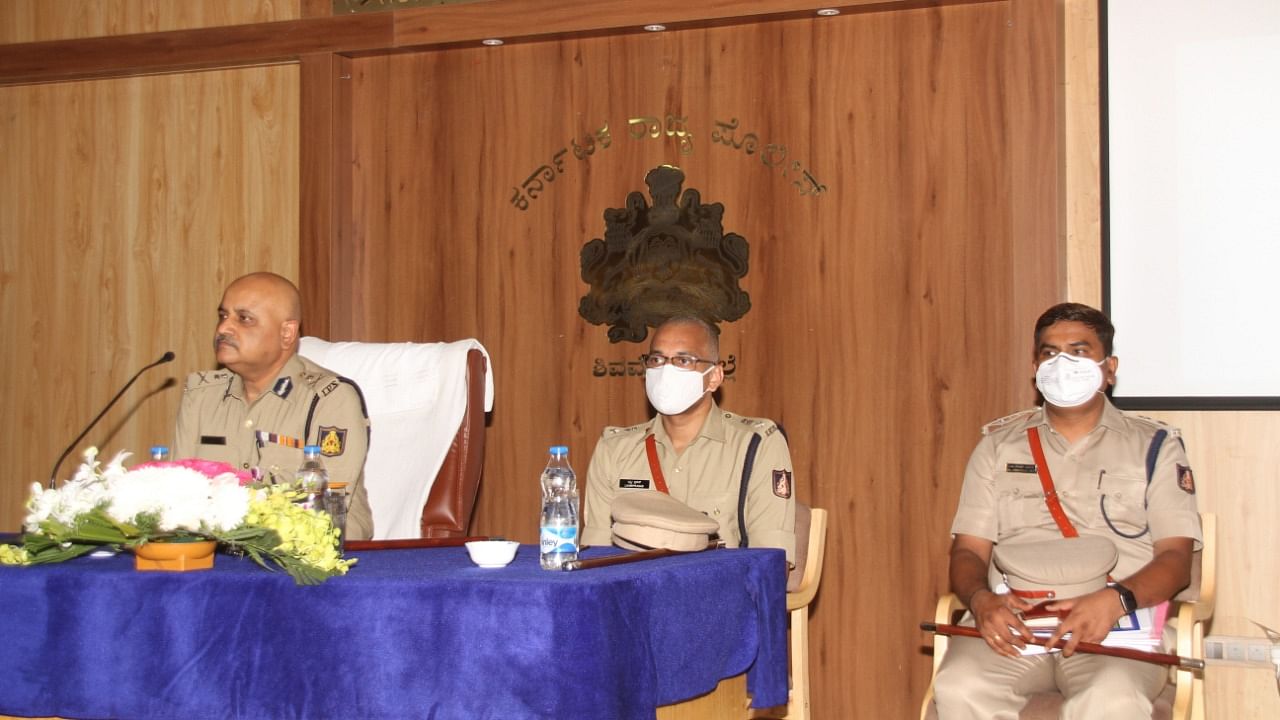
{"x":1141,"y":629}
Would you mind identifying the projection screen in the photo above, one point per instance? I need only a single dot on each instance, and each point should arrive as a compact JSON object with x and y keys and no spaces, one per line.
{"x":1191,"y":201}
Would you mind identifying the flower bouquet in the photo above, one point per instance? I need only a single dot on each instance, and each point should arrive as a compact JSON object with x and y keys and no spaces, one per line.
{"x":177,"y":502}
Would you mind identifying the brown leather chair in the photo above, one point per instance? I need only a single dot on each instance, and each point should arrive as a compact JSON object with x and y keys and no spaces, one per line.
{"x":447,"y":512}
{"x":413,"y":389}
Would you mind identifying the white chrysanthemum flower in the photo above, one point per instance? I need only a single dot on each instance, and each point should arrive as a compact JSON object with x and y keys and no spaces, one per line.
{"x":176,"y":495}
{"x":228,"y":504}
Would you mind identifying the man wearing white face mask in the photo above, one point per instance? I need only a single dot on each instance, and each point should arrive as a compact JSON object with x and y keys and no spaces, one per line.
{"x":1075,"y":467}
{"x":694,"y":451}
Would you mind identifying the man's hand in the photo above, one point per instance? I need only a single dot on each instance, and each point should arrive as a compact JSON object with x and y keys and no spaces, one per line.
{"x":999,"y":619}
{"x":1089,"y":618}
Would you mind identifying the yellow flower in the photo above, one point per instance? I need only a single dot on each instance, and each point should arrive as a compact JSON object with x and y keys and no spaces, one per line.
{"x":13,"y":555}
{"x":306,"y":536}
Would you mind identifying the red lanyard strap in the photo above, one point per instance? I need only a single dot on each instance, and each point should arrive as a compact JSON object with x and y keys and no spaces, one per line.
{"x":1046,"y":482}
{"x":655,"y":468}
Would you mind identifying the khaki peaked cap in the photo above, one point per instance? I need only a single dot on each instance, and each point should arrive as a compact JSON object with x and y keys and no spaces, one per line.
{"x":1067,"y":567}
{"x":645,"y":520}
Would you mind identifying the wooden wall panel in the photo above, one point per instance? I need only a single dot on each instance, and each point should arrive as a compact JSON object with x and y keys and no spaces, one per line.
{"x":125,"y":207}
{"x":1234,"y":453}
{"x":38,"y":20}
{"x":877,"y":304}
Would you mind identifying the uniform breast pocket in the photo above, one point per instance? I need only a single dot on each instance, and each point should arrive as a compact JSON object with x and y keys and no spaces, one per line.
{"x":717,"y":506}
{"x":1019,"y":501}
{"x":1123,"y":502}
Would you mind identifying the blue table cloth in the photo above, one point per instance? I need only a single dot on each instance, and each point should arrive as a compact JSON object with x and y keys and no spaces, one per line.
{"x":406,"y":634}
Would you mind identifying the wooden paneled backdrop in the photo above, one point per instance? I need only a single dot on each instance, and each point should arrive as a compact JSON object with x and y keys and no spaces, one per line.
{"x":126,"y":205}
{"x":891,"y":313}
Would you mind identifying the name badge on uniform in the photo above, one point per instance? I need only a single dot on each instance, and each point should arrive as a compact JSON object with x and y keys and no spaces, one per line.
{"x":213,"y":440}
{"x":633,"y":484}
{"x":1020,"y":468}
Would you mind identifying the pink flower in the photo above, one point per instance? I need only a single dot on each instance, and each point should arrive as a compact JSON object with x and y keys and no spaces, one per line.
{"x":209,"y":468}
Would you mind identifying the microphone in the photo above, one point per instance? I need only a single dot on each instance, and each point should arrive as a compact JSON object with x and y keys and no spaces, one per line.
{"x":53,"y":476}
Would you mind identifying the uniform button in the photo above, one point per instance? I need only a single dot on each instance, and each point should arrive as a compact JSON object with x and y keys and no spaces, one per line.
{"x":245,"y":466}
{"x":248,"y":423}
{"x":716,"y":511}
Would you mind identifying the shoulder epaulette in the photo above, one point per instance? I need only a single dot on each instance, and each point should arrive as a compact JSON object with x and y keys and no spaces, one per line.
{"x":1007,"y":419}
{"x":763,"y":426}
{"x":611,"y":430}
{"x":207,"y":378}
{"x":1156,"y":424}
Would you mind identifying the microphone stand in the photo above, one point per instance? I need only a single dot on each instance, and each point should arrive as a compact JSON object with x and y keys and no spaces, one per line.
{"x":53,"y":475}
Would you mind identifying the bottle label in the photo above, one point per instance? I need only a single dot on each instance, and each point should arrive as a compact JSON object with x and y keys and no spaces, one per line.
{"x":563,"y":539}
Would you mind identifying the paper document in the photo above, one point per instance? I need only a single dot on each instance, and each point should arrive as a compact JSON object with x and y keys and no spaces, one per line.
{"x":1141,"y":629}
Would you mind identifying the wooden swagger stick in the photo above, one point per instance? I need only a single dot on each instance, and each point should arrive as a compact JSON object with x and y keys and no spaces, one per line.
{"x":1185,"y":663}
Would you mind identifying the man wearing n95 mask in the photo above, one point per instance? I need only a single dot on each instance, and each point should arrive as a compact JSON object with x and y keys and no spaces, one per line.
{"x":1076,"y":469}
{"x":695,"y":451}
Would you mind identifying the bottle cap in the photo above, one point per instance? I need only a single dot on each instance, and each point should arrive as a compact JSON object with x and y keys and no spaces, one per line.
{"x":159,"y":449}
{"x":337,"y":485}
{"x":311,"y":450}
{"x":559,"y":450}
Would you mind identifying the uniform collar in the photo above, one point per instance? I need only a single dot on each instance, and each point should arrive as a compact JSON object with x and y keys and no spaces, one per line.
{"x":1112,"y":418}
{"x":713,"y":428}
{"x":285,"y":384}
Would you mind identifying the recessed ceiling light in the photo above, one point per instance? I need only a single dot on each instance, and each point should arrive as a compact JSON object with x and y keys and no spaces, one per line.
{"x":828,"y":12}
{"x":491,"y":42}
{"x":655,"y":27}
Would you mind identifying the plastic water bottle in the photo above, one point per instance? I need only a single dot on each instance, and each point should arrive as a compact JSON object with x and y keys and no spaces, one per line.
{"x":335,"y":503}
{"x":159,"y":453}
{"x":559,"y":523}
{"x":312,"y":478}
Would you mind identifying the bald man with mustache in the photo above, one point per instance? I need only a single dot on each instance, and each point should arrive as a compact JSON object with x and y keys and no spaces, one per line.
{"x":267,"y":402}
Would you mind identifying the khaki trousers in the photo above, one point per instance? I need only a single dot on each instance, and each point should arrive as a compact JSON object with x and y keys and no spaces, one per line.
{"x":974,"y":682}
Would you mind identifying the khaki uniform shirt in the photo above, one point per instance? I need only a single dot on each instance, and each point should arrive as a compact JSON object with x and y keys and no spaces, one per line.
{"x":1100,"y":479}
{"x":307,"y":405}
{"x":706,"y":476}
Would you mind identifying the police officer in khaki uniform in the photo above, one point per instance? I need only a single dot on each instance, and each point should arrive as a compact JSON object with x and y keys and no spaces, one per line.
{"x":700,"y":450}
{"x":269,"y":403}
{"x":1096,"y":458}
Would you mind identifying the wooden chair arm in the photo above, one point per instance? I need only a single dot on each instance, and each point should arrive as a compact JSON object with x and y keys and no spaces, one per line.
{"x":944,"y":614}
{"x":1190,"y":643}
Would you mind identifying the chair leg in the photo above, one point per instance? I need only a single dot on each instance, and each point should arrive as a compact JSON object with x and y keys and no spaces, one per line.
{"x":798,"y":701}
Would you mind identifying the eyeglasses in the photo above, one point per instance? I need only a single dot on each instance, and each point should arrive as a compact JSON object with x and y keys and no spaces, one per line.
{"x":684,"y":362}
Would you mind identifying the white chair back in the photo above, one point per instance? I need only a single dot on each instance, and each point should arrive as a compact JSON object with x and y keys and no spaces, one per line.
{"x":416,"y":395}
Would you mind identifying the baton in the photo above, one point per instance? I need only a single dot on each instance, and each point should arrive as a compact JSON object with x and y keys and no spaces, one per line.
{"x":1186,"y":663}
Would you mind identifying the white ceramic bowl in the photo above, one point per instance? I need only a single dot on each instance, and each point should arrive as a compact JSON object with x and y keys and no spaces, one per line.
{"x":492,"y":553}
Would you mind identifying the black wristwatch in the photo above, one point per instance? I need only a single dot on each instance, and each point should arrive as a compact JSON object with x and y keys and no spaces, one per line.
{"x":1128,"y":602}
